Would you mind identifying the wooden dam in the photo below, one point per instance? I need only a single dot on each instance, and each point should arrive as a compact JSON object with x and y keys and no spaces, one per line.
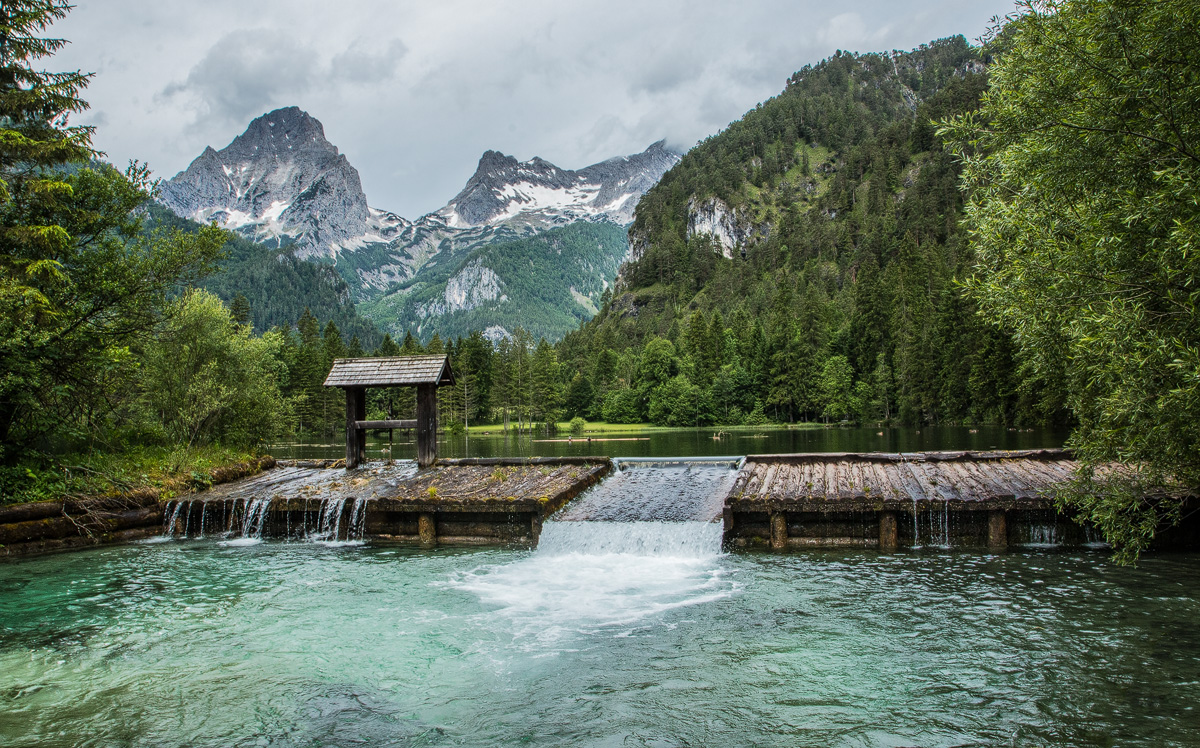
{"x":772,"y":502}
{"x":479,"y":501}
{"x":891,"y":500}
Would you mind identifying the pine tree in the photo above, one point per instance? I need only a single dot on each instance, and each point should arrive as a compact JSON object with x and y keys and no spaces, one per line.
{"x":410,"y":347}
{"x":309,"y":373}
{"x":239,"y":310}
{"x":388,"y":348}
{"x":80,"y":282}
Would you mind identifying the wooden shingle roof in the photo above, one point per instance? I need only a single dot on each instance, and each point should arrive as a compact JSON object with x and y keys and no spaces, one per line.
{"x":823,"y":481}
{"x":390,"y":372}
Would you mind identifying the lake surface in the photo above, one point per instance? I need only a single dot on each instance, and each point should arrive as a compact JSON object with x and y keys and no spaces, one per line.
{"x":628,"y":626}
{"x":694,"y":442}
{"x":594,"y":641}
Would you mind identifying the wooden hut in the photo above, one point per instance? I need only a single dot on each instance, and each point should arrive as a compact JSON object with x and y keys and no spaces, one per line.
{"x":355,"y":375}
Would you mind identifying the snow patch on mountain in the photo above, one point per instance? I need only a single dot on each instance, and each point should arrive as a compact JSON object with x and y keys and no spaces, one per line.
{"x":504,"y":189}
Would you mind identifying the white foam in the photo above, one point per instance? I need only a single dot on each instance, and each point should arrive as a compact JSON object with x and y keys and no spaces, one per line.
{"x":603,"y":577}
{"x":238,"y":542}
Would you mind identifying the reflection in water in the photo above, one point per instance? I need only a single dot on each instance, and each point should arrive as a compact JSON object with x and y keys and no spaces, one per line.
{"x":700,"y":443}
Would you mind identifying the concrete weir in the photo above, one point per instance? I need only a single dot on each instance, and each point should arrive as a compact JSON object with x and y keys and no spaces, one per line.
{"x":477,"y":501}
{"x":881,"y":500}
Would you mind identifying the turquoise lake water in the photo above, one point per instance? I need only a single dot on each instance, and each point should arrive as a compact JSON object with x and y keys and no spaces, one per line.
{"x":192,"y":643}
{"x":628,"y":626}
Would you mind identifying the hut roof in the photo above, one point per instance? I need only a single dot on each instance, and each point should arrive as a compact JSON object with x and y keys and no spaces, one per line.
{"x":390,"y":372}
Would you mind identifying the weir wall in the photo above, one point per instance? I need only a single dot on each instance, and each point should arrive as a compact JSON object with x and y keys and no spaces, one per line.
{"x":48,"y":526}
{"x":777,"y":503}
{"x":906,"y":500}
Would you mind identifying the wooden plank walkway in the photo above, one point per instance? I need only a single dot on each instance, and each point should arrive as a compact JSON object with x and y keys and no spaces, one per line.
{"x":897,"y":481}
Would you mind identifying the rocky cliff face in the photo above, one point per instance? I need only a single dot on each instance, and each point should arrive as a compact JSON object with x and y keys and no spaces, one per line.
{"x":282,"y":181}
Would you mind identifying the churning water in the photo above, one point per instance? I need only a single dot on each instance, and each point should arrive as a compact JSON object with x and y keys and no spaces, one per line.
{"x":640,"y":543}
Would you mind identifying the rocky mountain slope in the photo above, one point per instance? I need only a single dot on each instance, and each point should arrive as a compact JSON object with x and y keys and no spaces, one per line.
{"x":280,"y":182}
{"x":283,"y":184}
{"x":547,"y":284}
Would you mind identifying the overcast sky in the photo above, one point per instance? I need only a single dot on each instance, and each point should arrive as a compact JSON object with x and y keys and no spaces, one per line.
{"x":414,"y":92}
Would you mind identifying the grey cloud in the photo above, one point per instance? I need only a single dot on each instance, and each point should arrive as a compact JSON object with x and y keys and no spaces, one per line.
{"x":247,"y":73}
{"x":667,"y":74}
{"x":573,"y":83}
{"x":363,"y":64}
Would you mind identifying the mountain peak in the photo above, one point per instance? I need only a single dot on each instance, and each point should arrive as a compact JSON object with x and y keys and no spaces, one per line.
{"x":494,"y":161}
{"x":278,"y":181}
{"x":537,"y":192}
{"x":287,"y":129}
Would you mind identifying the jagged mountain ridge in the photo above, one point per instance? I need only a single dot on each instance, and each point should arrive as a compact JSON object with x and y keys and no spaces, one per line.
{"x":503,"y":189}
{"x":283,"y":182}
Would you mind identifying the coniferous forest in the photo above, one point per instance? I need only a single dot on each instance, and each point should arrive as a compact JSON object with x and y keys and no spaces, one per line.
{"x":845,"y":302}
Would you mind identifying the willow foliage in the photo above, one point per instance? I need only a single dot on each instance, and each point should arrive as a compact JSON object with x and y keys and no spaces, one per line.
{"x":1083,"y":165}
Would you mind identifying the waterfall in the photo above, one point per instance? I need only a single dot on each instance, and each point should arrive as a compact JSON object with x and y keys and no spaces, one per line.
{"x":358,"y":519}
{"x":651,"y":539}
{"x":171,"y":517}
{"x":254,"y":518}
{"x":916,"y":541}
{"x":1043,"y":536}
{"x":638,"y":545}
{"x":330,"y":519}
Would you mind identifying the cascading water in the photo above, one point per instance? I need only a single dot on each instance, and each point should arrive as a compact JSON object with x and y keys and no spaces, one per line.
{"x":1043,"y":536}
{"x":172,"y":515}
{"x":254,"y":518}
{"x":642,"y":542}
{"x":329,"y":520}
{"x":358,"y":519}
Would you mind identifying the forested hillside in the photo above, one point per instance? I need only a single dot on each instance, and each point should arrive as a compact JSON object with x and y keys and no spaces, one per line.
{"x":275,"y":287}
{"x":547,"y":284}
{"x":804,"y":264}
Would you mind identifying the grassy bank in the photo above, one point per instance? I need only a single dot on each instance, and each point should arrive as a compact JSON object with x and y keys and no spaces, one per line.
{"x":164,"y":470}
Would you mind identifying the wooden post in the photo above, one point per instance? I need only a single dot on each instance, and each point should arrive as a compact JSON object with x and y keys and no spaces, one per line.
{"x":353,"y":395}
{"x":889,"y":531}
{"x":535,"y":527}
{"x":779,"y":531}
{"x":426,"y":425}
{"x":360,"y":414}
{"x":427,"y":530}
{"x":997,"y":529}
